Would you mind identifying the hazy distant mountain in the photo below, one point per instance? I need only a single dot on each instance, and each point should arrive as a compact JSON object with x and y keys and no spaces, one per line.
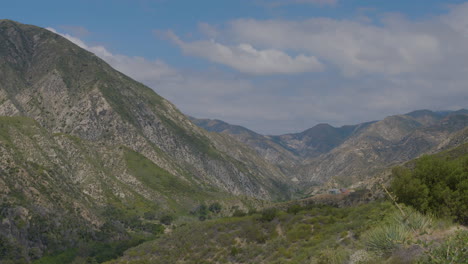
{"x":346,"y":155}
{"x":271,"y":150}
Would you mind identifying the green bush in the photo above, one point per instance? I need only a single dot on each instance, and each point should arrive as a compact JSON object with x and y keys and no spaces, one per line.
{"x":215,"y":208}
{"x":166,"y":219}
{"x":436,"y":185}
{"x":150,"y":215}
{"x":299,"y":231}
{"x":294,"y":209}
{"x":268,"y":214}
{"x":239,"y":213}
{"x":201,"y":211}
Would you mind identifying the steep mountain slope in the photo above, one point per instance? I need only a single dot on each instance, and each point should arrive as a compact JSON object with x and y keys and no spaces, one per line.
{"x":82,"y":144}
{"x":68,"y":90}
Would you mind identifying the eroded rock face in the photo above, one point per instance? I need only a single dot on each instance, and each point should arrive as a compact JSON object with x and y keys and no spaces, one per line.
{"x":68,"y":90}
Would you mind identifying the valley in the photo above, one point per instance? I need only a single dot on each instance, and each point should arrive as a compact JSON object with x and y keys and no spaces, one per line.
{"x":96,"y":167}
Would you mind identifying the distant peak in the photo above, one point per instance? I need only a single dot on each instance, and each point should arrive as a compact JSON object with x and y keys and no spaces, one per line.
{"x":319,"y":127}
{"x":421,"y":112}
{"x":324,"y":125}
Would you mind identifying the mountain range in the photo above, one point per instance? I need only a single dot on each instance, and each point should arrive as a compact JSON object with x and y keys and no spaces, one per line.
{"x":88,"y":154}
{"x":350,"y":155}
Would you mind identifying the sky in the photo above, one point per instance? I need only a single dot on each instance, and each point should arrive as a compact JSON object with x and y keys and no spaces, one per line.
{"x":275,"y":66}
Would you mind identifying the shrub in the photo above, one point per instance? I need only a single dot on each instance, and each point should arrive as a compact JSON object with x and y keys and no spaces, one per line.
{"x":255,"y":234}
{"x":453,"y":250}
{"x":153,"y":228}
{"x":149,"y":215}
{"x":215,"y":208}
{"x":435,"y":185}
{"x":239,"y":213}
{"x":252,"y":211}
{"x":294,"y":209}
{"x":234,"y":251}
{"x":386,"y":238}
{"x":268,"y":214}
{"x":166,"y":219}
{"x":299,"y":231}
{"x":201,"y":211}
{"x":333,"y":256}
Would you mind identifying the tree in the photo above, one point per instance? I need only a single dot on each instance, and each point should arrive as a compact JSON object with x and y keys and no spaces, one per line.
{"x":410,"y":190}
{"x":436,"y":185}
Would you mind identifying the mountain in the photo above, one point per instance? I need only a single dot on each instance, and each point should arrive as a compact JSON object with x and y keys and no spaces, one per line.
{"x":85,"y":149}
{"x":316,"y":140}
{"x":269,"y":149}
{"x":385,"y":143}
{"x":350,"y":155}
{"x":90,"y":156}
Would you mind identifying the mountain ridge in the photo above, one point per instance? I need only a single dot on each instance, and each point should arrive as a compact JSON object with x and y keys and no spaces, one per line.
{"x":349,"y":154}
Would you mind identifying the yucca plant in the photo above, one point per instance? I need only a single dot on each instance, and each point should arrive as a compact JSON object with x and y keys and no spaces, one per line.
{"x":385,"y":238}
{"x":414,"y":220}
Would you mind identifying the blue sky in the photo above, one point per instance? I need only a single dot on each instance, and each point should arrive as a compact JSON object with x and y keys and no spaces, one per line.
{"x":276,"y":66}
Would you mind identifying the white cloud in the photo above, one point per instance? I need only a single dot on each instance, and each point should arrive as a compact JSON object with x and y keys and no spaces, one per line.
{"x":278,"y":3}
{"x":319,"y":2}
{"x":457,"y":19}
{"x":136,"y":67}
{"x":352,"y":46}
{"x":245,"y":58}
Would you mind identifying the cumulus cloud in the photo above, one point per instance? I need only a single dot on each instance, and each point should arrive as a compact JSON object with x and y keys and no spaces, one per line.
{"x":279,"y":3}
{"x":245,"y":58}
{"x":352,"y":46}
{"x":139,"y":68}
{"x":323,"y":2}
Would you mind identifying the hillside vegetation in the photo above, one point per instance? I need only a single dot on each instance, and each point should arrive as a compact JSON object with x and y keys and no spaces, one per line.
{"x":86,"y":153}
{"x":418,"y":229}
{"x":371,"y":233}
{"x":93,"y":163}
